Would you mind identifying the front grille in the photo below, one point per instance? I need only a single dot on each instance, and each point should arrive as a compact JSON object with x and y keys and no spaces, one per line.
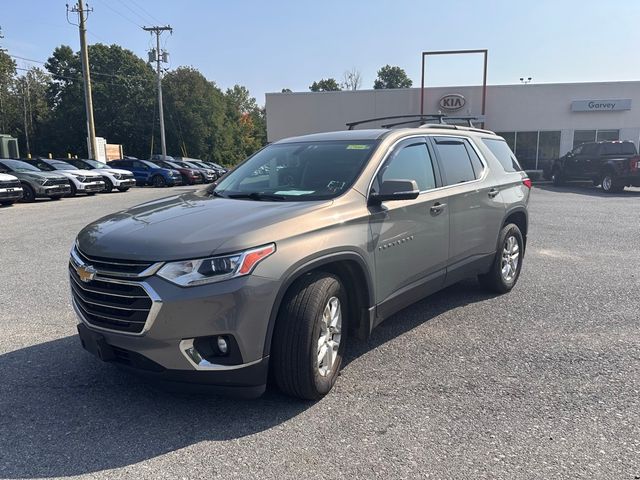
{"x":54,"y":181}
{"x":117,"y":268}
{"x":9,"y":183}
{"x":123,"y":307}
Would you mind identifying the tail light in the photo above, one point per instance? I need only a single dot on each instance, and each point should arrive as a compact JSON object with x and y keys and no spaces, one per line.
{"x":634,"y":164}
{"x":527,"y":182}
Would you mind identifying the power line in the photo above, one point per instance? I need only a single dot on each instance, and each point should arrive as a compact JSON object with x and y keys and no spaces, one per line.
{"x":146,"y":12}
{"x":144,"y":19}
{"x":128,"y":19}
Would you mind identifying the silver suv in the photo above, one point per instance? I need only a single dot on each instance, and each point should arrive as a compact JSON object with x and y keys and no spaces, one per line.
{"x":310,"y":241}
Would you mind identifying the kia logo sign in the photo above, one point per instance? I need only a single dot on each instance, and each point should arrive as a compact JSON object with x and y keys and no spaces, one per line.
{"x":452,"y":102}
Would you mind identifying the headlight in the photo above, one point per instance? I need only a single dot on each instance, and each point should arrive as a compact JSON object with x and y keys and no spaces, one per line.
{"x":117,"y":176}
{"x":80,"y":178}
{"x":42,"y":181}
{"x":188,"y":273}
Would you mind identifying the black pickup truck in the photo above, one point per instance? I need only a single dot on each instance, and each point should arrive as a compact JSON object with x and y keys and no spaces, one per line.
{"x":612,"y":164}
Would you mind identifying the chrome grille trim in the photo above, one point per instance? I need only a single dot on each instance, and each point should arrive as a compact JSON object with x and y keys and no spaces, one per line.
{"x":149,"y":268}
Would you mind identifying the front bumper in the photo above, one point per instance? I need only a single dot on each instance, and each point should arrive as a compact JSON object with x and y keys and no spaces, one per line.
{"x":127,"y":182}
{"x":53,"y":190}
{"x":239,"y":308}
{"x":91,"y":187}
{"x":11,"y":193}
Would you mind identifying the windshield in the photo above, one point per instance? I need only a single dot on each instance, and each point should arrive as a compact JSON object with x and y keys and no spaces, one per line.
{"x":298,"y":171}
{"x":62,"y":166}
{"x":150,"y":164}
{"x":96,"y":164}
{"x":18,"y":166}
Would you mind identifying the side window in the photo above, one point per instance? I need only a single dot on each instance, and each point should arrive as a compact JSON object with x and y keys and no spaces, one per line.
{"x":411,"y":162}
{"x":43,"y":166}
{"x":140,"y":165}
{"x":455,"y":160}
{"x":503,"y":153}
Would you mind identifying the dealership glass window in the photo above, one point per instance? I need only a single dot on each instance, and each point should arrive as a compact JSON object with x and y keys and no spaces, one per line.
{"x":526,"y":149}
{"x":548,"y":148}
{"x":583,"y":136}
{"x":602,"y":135}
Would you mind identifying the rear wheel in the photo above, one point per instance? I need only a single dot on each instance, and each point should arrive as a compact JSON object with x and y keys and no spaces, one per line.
{"x":609,"y":184}
{"x":507,"y":263}
{"x":310,"y":336}
{"x":556,"y":177}
{"x":90,"y":194}
{"x":28,"y":194}
{"x":158,"y":181}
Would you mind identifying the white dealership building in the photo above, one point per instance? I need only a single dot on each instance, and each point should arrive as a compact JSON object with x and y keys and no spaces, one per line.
{"x":539,"y":121}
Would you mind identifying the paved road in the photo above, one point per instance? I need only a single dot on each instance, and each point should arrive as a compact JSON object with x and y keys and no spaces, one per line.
{"x":541,"y":383}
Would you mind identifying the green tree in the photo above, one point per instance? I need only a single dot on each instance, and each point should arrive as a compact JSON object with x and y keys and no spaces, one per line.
{"x":194,"y":114}
{"x":328,"y":85}
{"x":7,"y":85}
{"x":123,"y":100}
{"x":392,"y":77}
{"x":245,"y":124}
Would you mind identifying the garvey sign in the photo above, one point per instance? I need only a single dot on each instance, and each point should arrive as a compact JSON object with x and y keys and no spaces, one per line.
{"x":601,"y":105}
{"x":452,"y":102}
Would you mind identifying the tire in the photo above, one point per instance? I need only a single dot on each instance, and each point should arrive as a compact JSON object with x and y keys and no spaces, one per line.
{"x":501,"y":279}
{"x":28,"y":194}
{"x":108,"y":185}
{"x":158,"y":181}
{"x":74,"y":190}
{"x":299,"y":328}
{"x":55,"y":197}
{"x":557,"y":178}
{"x":609,"y":184}
{"x":123,"y":189}
{"x":6,"y":203}
{"x":90,"y":194}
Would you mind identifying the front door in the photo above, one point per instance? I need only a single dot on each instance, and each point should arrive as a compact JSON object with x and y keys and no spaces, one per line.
{"x":410,"y":237}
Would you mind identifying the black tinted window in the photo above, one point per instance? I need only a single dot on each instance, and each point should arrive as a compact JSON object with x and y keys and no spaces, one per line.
{"x":411,"y":163}
{"x":626,"y":148}
{"x":503,"y":153}
{"x":455,"y":160}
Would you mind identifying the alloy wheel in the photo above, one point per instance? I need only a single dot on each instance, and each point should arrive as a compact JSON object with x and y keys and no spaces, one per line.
{"x":330,"y":334}
{"x":510,"y":258}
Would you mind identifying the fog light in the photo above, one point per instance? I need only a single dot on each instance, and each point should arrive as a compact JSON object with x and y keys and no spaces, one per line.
{"x":222,"y":345}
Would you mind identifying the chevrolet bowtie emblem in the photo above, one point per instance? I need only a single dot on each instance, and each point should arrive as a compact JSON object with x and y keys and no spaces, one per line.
{"x":86,"y":273}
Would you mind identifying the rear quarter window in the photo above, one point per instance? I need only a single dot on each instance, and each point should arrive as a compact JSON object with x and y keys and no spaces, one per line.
{"x":503,"y":153}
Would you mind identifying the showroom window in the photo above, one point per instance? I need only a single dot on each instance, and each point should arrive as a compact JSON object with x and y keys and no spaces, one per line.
{"x":584,"y":136}
{"x":534,"y":150}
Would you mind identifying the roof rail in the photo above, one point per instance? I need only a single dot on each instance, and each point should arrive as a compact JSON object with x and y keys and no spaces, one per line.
{"x":434,"y":118}
{"x":459,"y":127}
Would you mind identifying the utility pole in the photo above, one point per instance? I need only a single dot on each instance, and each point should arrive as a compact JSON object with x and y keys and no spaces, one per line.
{"x":1,"y":91}
{"x":83,"y":14}
{"x":25,"y":90}
{"x":159,"y":57}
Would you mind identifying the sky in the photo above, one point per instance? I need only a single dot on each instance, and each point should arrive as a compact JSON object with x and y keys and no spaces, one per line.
{"x":275,"y":44}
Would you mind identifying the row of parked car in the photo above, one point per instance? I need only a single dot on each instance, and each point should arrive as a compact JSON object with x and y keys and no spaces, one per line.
{"x":28,"y":179}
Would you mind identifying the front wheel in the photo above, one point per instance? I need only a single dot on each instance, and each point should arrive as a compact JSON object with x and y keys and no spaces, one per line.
{"x":310,"y":336}
{"x":507,"y":263}
{"x":28,"y":194}
{"x":158,"y":181}
{"x":74,"y":190}
{"x":108,"y":185}
{"x":557,"y":178}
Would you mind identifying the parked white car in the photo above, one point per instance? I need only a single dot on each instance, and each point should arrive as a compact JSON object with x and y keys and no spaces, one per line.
{"x":82,"y":181}
{"x":118,"y":178}
{"x":10,"y":189}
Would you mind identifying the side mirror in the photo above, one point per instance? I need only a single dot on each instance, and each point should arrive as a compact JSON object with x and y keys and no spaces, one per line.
{"x":395,"y":190}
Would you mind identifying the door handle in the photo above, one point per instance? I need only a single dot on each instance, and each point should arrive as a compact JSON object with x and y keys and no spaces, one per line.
{"x":493,"y":192}
{"x":437,"y":208}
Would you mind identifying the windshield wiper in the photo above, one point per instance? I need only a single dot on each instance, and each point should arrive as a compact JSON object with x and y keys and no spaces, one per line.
{"x":258,"y":196}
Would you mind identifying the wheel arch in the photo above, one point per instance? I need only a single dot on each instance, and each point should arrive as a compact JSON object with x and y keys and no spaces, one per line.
{"x":352,"y":270}
{"x":520,"y":217}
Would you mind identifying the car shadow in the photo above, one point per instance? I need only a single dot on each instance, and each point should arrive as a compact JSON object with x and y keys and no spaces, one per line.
{"x":587,"y":188}
{"x":64,"y":413}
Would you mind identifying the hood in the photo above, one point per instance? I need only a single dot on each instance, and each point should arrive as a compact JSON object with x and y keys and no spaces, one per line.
{"x":5,"y":177}
{"x":190,"y":226}
{"x":84,"y":173}
{"x":110,"y":170}
{"x":39,"y":175}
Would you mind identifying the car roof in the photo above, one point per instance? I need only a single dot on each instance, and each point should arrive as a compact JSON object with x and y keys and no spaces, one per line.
{"x":379,"y":133}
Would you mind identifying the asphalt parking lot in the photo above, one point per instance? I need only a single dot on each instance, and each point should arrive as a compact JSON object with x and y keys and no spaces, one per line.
{"x":541,"y":383}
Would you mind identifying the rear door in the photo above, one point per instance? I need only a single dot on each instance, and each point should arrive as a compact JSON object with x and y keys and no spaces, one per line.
{"x":476,"y":209}
{"x":410,"y":237}
{"x":140,"y":170}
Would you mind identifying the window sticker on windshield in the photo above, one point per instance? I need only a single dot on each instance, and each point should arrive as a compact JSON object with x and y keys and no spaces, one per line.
{"x":358,"y":147}
{"x":295,"y":192}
